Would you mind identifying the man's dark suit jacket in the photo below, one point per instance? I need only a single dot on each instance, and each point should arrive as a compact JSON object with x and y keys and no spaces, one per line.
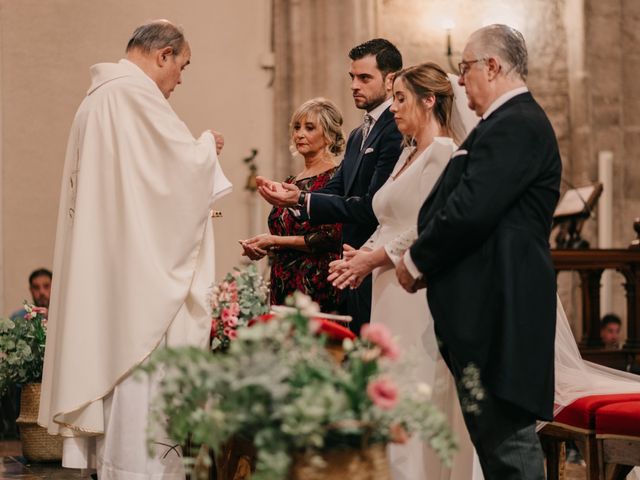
{"x":347,"y":197}
{"x":484,"y":252}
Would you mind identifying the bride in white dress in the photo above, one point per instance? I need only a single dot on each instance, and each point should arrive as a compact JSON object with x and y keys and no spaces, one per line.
{"x":422,"y":106}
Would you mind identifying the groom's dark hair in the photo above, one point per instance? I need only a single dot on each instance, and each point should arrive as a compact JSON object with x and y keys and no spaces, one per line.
{"x":388,"y":57}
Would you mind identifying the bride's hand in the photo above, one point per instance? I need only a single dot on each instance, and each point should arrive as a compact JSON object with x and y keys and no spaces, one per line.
{"x":357,"y":265}
{"x":335,"y":268}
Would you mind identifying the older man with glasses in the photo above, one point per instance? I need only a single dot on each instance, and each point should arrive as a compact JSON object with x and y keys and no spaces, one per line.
{"x":483,"y":253}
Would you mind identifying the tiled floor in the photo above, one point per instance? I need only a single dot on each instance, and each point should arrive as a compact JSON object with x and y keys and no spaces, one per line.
{"x":12,"y":466}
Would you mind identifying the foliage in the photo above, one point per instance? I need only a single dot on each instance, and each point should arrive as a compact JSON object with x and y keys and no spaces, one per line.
{"x":278,"y":386}
{"x":240,"y":297}
{"x":22,"y":342}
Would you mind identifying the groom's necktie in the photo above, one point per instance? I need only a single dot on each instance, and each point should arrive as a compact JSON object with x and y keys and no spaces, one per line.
{"x":366,"y":128}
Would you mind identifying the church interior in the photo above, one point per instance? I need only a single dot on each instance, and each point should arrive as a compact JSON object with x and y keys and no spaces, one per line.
{"x":254,"y":61}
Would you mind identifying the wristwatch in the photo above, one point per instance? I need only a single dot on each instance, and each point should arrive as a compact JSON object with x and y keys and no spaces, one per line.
{"x":302,"y":199}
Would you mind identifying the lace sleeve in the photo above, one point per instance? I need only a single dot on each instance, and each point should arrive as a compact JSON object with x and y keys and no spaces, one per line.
{"x":395,"y":248}
{"x":370,"y":244}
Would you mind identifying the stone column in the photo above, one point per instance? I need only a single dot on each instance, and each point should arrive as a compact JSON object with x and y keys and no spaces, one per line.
{"x":311,"y":41}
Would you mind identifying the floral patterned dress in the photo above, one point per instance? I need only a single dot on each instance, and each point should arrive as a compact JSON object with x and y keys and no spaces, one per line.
{"x":292,"y":269}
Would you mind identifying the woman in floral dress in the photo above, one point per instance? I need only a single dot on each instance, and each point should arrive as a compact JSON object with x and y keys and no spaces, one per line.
{"x":300,"y":252}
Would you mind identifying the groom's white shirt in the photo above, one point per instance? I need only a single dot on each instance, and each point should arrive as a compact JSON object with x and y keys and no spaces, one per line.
{"x":497,"y":103}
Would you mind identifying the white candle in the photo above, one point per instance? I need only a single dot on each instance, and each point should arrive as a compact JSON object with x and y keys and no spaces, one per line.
{"x":605,"y":224}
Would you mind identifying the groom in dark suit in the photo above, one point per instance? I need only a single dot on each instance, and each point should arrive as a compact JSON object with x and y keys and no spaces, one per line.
{"x":483,"y":253}
{"x":371,"y":153}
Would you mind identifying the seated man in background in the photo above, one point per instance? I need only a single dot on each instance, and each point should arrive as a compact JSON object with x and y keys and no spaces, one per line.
{"x":40,"y":288}
{"x":610,"y":331}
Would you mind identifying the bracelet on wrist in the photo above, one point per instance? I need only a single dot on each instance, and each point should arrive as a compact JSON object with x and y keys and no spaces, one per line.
{"x":302,"y":199}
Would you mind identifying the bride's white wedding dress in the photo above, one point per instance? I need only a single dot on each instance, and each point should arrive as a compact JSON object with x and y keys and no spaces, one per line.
{"x":396,"y":205}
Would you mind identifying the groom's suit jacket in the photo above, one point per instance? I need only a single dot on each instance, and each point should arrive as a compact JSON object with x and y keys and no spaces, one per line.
{"x":347,"y":197}
{"x":484,"y":252}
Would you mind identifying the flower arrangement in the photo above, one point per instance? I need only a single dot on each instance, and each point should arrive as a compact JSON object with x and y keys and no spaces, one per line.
{"x":279,"y":387}
{"x":22,"y":342}
{"x":241,"y":296}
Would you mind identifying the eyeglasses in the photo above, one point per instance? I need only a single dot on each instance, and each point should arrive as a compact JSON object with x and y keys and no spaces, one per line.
{"x":465,"y":65}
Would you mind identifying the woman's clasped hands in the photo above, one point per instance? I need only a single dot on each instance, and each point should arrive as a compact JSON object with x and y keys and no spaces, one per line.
{"x":257,"y":247}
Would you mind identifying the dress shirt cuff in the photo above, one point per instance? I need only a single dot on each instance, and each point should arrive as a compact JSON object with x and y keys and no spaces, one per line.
{"x":408,"y":262}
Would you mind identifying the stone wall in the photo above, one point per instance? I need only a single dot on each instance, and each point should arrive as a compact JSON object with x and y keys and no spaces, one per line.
{"x":46,"y":49}
{"x":584,"y":60}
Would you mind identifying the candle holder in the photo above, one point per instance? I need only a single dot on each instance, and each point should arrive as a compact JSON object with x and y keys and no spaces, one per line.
{"x":448,"y":26}
{"x":449,"y":52}
{"x":251,"y":184}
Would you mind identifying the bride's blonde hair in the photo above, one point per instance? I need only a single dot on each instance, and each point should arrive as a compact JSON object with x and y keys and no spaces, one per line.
{"x":430,"y":80}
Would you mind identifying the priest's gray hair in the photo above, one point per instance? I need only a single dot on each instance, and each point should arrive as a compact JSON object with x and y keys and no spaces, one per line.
{"x":156,"y":35}
{"x":504,"y":42}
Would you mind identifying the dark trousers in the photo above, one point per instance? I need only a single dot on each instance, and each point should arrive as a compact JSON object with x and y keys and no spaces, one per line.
{"x":359,"y":305}
{"x":504,"y":436}
{"x":9,"y":411}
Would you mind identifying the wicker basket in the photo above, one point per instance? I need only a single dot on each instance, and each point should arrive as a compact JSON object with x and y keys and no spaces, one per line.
{"x":37,"y":444}
{"x":349,"y":463}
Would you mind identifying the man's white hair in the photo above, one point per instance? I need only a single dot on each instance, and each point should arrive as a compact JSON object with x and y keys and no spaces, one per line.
{"x":504,"y":42}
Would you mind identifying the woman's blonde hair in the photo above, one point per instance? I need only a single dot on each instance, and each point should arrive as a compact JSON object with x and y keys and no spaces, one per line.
{"x":426,"y":80}
{"x":327,"y":116}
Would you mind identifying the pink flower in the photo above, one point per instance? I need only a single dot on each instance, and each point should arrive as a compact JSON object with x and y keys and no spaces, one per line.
{"x":315,"y":324}
{"x":230,"y":332}
{"x":383,"y":393}
{"x":214,"y":327}
{"x":380,"y":336}
{"x":226,"y":314}
{"x":41,"y":310}
{"x":234,"y":308}
{"x":231,"y":322}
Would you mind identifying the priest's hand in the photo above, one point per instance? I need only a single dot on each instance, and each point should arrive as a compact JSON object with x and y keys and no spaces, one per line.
{"x":278,"y":194}
{"x":407,"y":281}
{"x":219,"y":141}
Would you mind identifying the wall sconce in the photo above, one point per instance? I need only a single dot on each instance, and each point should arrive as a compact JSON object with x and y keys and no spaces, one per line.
{"x":448,"y":25}
{"x":251,"y":184}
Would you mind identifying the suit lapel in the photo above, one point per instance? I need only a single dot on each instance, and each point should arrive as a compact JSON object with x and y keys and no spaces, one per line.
{"x":468,"y":142}
{"x":385,"y":118}
{"x":466,"y":145}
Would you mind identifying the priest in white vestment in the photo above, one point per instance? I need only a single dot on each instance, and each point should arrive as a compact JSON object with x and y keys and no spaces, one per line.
{"x":133,"y":258}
